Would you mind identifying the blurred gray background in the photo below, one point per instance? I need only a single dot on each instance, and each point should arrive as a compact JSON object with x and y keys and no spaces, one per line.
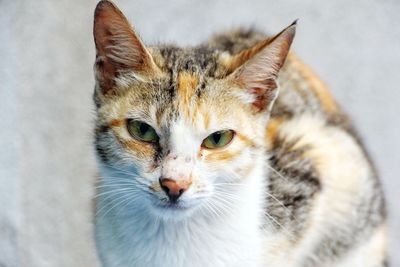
{"x":47,"y":165}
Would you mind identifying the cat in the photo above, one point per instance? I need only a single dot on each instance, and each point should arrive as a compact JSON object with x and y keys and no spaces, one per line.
{"x":203,"y":163}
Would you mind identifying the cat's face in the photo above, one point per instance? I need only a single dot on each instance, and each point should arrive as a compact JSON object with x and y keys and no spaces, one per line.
{"x":179,"y":130}
{"x":204,"y":143}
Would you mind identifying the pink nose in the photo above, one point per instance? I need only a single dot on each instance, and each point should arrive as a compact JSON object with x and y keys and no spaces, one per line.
{"x":173,"y":189}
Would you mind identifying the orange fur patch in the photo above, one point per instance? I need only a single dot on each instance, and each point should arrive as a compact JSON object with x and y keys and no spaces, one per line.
{"x":248,"y":142}
{"x":142,"y":149}
{"x":187,"y":83}
{"x":116,"y":123}
{"x":206,"y":119}
{"x":316,"y":85}
{"x":273,"y":129}
{"x":222,"y":155}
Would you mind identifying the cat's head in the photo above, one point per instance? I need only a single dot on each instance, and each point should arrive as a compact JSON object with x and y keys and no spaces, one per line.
{"x":180,"y":130}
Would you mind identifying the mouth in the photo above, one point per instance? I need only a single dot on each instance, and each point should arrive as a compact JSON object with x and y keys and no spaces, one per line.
{"x":169,"y":205}
{"x":175,"y":211}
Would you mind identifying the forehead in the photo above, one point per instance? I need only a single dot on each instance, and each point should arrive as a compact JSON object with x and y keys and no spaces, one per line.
{"x":191,"y":89}
{"x":189,"y":96}
{"x":192,"y":79}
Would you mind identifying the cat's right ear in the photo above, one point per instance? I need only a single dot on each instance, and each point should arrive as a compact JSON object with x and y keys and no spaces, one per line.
{"x":118,"y":48}
{"x":256,"y":69}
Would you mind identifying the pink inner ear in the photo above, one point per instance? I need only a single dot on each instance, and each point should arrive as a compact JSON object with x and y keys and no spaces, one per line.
{"x":263,"y":95}
{"x":116,"y":40}
{"x":118,"y":47}
{"x":105,"y":74}
{"x":258,"y":76}
{"x":259,"y":73}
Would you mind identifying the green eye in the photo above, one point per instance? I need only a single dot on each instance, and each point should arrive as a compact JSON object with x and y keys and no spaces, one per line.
{"x":218,"y":139}
{"x":142,"y":131}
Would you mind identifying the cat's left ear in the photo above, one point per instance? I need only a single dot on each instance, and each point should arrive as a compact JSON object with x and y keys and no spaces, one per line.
{"x":256,"y":69}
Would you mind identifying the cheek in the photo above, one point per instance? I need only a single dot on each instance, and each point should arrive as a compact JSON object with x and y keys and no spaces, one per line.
{"x":221,"y":157}
{"x":155,"y":186}
{"x":143,"y":152}
{"x":232,"y":164}
{"x":201,"y":178}
{"x":139,"y":162}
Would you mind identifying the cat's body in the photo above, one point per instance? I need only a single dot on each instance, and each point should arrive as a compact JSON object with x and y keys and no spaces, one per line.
{"x":299,"y":191}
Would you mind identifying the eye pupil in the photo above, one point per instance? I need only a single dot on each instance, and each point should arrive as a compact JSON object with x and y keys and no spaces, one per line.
{"x":143,"y":128}
{"x":217,"y":137}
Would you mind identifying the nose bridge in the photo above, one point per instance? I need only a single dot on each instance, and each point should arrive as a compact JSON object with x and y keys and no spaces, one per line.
{"x":183,"y":148}
{"x":183,"y":139}
{"x":178,"y":167}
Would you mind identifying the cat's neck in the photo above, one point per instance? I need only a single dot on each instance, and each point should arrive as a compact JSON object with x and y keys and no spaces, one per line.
{"x":202,"y":238}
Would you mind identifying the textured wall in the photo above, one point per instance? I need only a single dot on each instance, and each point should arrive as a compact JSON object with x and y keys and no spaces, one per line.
{"x":46,"y":49}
